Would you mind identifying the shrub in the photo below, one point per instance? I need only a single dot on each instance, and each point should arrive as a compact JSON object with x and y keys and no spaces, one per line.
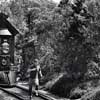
{"x":63,"y":86}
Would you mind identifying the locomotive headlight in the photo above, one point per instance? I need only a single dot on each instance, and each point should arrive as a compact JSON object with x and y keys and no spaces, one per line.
{"x":4,"y":62}
{"x":5,"y":47}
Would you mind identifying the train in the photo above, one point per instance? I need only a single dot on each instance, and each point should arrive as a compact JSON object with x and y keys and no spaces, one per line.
{"x":7,"y":50}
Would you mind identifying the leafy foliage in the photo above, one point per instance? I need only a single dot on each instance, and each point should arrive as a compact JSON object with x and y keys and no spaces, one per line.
{"x":81,"y":41}
{"x":67,"y":34}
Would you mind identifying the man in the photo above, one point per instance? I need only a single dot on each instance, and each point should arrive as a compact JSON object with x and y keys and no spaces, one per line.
{"x":38,"y":75}
{"x":35,"y":72}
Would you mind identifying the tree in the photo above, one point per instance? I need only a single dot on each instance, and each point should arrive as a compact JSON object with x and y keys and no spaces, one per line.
{"x":77,"y":18}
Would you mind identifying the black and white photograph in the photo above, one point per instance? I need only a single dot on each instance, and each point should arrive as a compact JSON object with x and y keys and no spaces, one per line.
{"x":49,"y":49}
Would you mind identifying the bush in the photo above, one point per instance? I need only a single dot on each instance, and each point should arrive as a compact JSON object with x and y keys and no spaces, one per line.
{"x":76,"y":93}
{"x":63,"y":86}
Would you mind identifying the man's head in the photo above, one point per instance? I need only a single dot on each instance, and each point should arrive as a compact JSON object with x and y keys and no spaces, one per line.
{"x":36,"y":61}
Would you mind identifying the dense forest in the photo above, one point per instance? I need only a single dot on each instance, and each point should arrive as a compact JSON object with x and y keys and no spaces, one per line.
{"x":67,"y":37}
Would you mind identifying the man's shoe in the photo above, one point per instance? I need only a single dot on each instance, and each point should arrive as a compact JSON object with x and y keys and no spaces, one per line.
{"x":31,"y":97}
{"x":36,"y":93}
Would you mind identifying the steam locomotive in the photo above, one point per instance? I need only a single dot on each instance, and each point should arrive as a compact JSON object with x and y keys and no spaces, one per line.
{"x":7,"y":48}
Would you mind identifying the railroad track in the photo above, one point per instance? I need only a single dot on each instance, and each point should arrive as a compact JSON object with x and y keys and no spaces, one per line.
{"x":42,"y":95}
{"x":22,"y":94}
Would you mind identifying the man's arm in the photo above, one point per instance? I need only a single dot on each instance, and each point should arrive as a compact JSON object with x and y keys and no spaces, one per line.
{"x":40,"y":72}
{"x":33,"y":69}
